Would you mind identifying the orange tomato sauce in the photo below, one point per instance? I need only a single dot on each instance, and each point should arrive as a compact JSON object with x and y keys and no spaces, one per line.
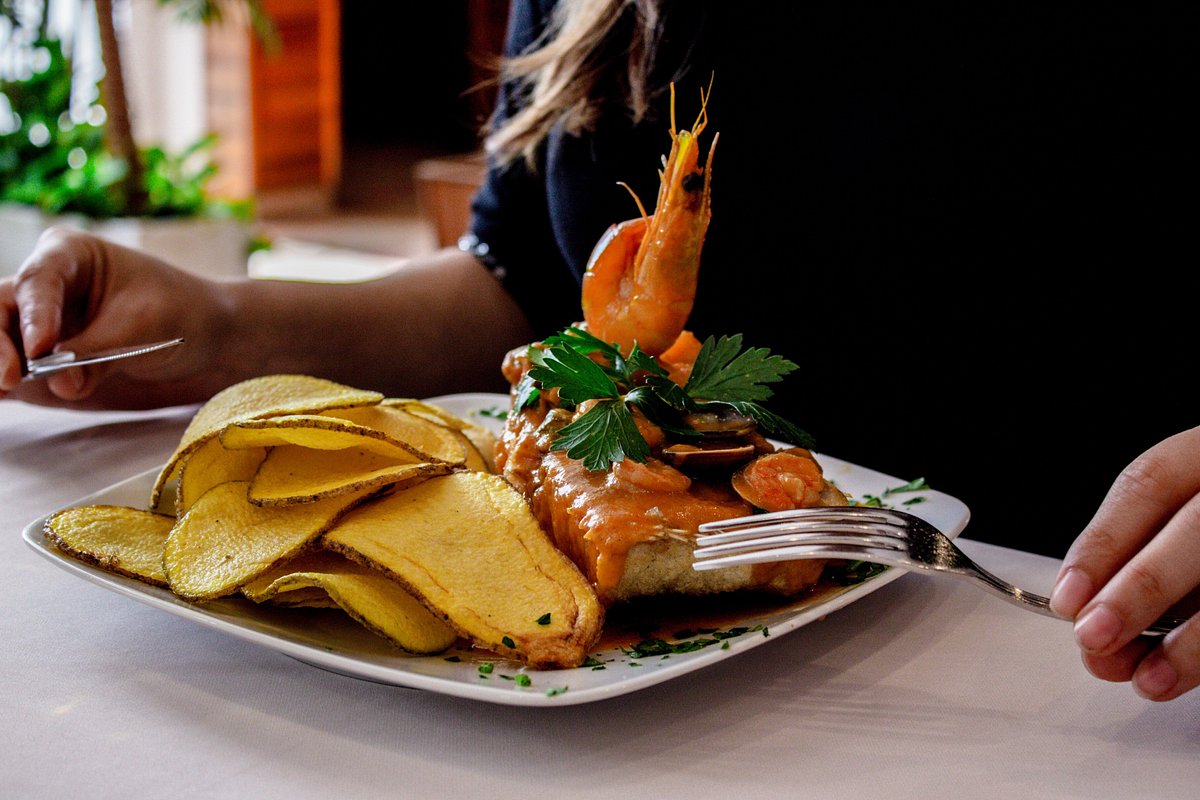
{"x":596,"y":521}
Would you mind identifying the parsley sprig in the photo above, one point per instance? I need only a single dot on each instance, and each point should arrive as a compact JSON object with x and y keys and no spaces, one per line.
{"x":724,"y":374}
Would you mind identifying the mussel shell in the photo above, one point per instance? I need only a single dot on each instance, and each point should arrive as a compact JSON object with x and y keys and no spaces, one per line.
{"x":708,"y":456}
{"x":723,"y":422}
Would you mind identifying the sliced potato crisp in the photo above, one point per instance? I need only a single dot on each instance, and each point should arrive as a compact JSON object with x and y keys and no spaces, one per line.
{"x":128,"y":541}
{"x":475,"y":458}
{"x":376,"y":601}
{"x":426,"y":439}
{"x":302,"y":597}
{"x":467,"y":545}
{"x":212,"y":464}
{"x":301,"y":493}
{"x":316,"y":432}
{"x":293,"y":474}
{"x":481,"y":454}
{"x":270,"y":395}
{"x":224,"y":540}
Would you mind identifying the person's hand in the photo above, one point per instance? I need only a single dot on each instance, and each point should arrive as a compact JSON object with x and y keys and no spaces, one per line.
{"x":1137,"y":558}
{"x":79,"y":292}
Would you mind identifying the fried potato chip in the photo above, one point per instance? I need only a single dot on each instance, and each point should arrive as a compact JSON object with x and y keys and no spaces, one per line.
{"x":468,"y":547}
{"x":317,"y":432}
{"x":302,"y":597}
{"x":481,"y":455}
{"x":270,"y":395}
{"x":292,"y":474}
{"x":428,"y":440}
{"x":376,"y":601}
{"x":224,"y":540}
{"x":211,"y":464}
{"x":128,"y":541}
{"x":260,"y":590}
{"x":475,"y":459}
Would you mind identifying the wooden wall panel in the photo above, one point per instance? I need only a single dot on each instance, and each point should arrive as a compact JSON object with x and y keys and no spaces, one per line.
{"x":277,"y":110}
{"x":295,"y":98}
{"x":227,"y":106}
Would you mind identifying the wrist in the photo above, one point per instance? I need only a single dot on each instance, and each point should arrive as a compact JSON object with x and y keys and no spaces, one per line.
{"x":230,"y":333}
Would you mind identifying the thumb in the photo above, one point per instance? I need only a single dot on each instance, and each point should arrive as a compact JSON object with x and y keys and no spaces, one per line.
{"x":109,"y":329}
{"x":55,"y":288}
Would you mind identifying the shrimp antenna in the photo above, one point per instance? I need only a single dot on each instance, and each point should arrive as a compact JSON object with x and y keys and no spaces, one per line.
{"x":701,"y":118}
{"x":672,"y":110}
{"x":636,"y":199}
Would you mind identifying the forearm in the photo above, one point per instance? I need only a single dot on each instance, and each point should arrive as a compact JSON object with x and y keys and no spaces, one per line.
{"x":438,"y":324}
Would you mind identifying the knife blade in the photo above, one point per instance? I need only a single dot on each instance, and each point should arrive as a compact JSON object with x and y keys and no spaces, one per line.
{"x":64,"y":359}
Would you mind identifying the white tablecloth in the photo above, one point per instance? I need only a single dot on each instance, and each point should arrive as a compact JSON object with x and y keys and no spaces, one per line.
{"x":924,"y":689}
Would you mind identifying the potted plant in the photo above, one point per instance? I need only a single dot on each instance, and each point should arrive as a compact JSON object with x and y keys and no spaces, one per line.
{"x":83,"y":168}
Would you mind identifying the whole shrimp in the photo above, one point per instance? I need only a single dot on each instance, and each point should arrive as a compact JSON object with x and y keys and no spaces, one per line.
{"x":640,"y":281}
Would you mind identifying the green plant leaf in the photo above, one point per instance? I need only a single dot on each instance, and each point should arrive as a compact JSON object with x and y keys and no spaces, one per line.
{"x":602,"y":436}
{"x":724,"y":372}
{"x":576,"y":376}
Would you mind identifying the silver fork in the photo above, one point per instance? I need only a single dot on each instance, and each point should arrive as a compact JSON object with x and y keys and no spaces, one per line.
{"x":858,"y":533}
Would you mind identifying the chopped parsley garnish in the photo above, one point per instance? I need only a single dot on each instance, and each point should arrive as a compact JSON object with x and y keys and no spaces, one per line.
{"x":555,"y":690}
{"x":486,"y":668}
{"x":520,"y":679}
{"x":648,"y":648}
{"x":723,"y":375}
{"x":915,"y":485}
{"x":879,"y":500}
{"x":544,"y":619}
{"x":853,"y":572}
{"x":692,"y":641}
{"x":729,"y":634}
{"x":493,"y":412}
{"x":508,"y":642}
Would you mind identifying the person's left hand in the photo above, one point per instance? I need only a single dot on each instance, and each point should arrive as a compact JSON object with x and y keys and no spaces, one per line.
{"x":1138,"y":558}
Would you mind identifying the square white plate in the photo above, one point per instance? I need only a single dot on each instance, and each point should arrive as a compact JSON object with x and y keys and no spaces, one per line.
{"x":331,"y":640}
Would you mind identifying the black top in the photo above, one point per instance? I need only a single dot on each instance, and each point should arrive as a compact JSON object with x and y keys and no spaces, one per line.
{"x":973,"y":227}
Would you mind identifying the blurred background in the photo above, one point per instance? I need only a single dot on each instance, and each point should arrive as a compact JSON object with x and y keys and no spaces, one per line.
{"x":315,"y":139}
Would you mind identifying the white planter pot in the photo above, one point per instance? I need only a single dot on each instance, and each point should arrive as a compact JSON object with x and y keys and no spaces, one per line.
{"x":216,"y":248}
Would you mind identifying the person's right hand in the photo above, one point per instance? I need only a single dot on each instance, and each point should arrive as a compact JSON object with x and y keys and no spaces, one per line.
{"x":79,"y":292}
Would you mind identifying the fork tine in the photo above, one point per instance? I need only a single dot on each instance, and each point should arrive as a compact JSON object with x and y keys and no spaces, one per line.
{"x":761,"y":525}
{"x":835,"y":513}
{"x":855,"y":533}
{"x":789,"y":535}
{"x":822,"y":551}
{"x":799,"y":527}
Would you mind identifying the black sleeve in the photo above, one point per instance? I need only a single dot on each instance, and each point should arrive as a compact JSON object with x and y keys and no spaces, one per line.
{"x":511,"y":230}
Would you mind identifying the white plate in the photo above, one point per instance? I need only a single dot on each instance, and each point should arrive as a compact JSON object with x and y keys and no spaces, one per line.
{"x":331,"y":641}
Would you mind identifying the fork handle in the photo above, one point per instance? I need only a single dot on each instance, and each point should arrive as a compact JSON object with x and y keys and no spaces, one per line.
{"x":1036,"y":602}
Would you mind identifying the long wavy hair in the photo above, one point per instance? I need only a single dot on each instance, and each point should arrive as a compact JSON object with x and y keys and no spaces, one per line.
{"x":558,"y":79}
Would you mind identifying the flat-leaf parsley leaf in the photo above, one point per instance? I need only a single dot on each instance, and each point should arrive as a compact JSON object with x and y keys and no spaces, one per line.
{"x":584,"y":368}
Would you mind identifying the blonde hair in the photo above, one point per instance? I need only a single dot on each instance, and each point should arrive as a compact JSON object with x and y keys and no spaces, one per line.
{"x":556,"y":80}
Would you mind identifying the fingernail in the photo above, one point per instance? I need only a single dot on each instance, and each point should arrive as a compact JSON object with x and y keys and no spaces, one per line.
{"x":66,"y":384}
{"x":1070,"y":594}
{"x":1155,"y":677}
{"x":1097,"y":629}
{"x":28,"y":332}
